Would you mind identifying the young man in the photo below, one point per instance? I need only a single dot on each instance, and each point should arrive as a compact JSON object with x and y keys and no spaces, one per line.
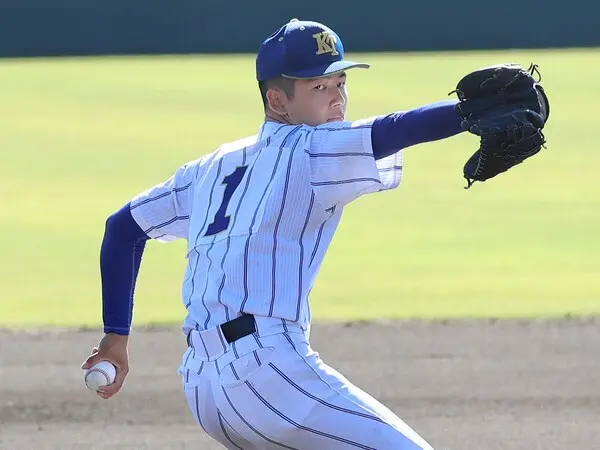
{"x":258,"y":215}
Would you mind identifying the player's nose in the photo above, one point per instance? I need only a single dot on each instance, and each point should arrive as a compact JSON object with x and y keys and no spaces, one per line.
{"x":338,"y":98}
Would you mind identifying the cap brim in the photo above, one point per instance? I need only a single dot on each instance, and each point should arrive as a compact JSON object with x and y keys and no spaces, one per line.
{"x":329,"y":69}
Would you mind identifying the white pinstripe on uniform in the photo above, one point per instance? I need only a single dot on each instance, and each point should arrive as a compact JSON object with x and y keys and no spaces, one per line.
{"x":258,"y":215}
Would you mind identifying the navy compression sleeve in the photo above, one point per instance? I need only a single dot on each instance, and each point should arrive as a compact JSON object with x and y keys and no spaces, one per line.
{"x":424,"y":124}
{"x":120,"y":258}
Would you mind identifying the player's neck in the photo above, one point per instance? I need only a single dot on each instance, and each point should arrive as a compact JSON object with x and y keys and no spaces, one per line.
{"x":271,"y":116}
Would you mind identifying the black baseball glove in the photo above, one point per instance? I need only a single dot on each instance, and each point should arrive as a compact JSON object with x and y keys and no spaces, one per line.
{"x":507,"y":108}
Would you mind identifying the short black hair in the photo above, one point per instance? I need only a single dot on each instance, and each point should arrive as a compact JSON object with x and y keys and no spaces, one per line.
{"x":287,"y":85}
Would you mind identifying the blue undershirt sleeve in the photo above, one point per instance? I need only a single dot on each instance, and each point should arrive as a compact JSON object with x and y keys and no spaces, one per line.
{"x":120,"y":258}
{"x":427,"y":123}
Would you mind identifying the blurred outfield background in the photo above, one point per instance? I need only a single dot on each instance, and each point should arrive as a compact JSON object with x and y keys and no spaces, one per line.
{"x":81,"y":135}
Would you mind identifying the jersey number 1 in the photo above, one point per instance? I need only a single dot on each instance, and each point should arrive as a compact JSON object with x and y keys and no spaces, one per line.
{"x":221,"y":221}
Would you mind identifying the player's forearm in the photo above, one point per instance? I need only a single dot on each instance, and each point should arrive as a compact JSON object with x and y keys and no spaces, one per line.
{"x":424,"y":124}
{"x":120,"y":258}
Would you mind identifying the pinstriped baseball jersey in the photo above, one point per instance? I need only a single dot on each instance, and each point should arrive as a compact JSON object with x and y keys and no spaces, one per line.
{"x":259,"y":214}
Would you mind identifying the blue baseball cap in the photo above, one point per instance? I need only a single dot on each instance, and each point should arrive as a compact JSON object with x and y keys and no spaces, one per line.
{"x":302,"y":49}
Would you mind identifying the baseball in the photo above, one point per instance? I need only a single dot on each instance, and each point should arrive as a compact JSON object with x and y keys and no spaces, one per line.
{"x":100,"y":374}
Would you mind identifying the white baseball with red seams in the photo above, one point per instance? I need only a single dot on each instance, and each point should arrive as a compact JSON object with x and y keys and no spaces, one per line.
{"x":100,"y":374}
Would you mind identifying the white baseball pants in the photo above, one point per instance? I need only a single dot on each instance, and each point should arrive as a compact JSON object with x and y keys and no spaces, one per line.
{"x":274,"y":392}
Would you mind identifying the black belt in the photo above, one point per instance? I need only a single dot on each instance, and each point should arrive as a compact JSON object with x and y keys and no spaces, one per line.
{"x":236,"y":329}
{"x":239,"y":327}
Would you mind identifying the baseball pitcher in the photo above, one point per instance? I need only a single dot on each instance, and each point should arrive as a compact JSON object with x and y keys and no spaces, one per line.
{"x":258,"y":215}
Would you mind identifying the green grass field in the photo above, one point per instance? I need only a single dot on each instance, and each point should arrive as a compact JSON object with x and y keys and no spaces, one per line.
{"x":81,"y":136}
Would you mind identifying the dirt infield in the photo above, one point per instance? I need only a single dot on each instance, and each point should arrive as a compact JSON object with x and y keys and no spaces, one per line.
{"x":462,"y":385}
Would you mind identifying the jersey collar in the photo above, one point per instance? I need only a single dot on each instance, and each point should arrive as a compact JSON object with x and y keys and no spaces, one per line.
{"x":270,"y":128}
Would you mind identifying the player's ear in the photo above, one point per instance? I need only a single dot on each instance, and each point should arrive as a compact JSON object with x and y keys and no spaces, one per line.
{"x":275,"y":100}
